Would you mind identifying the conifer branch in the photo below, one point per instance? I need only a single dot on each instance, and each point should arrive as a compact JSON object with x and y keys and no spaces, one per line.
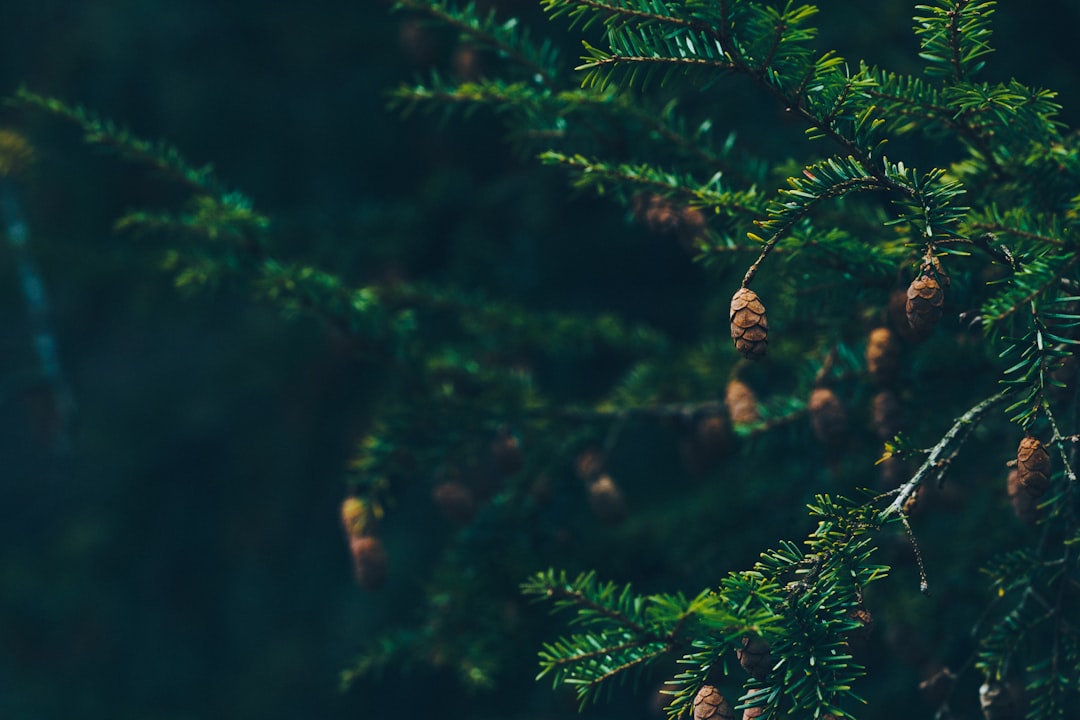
{"x":506,"y":38}
{"x":932,"y":467}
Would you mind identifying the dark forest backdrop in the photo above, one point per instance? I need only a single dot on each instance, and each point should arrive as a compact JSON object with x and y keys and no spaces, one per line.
{"x":184,"y":558}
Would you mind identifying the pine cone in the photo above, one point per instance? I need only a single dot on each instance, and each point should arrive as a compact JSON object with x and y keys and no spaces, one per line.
{"x":662,"y":216}
{"x":709,"y":440}
{"x":751,"y":713}
{"x":749,"y":327}
{"x":885,"y":412}
{"x":742,"y":403}
{"x":754,"y":656}
{"x":709,"y":704}
{"x":455,"y":501}
{"x":1033,"y":463}
{"x":827,"y":416}
{"x":606,"y":500}
{"x":369,"y":561}
{"x":925,"y":298}
{"x":1024,"y":504}
{"x":1001,"y":701}
{"x":882,"y":352}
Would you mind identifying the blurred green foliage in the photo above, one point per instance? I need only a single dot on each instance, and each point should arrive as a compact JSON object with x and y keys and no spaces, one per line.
{"x":183,"y":559}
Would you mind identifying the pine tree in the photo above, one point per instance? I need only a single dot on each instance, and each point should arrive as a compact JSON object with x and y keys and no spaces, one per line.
{"x":930,"y":307}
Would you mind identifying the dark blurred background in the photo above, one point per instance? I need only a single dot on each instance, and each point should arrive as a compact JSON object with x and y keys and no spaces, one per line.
{"x":182,"y":558}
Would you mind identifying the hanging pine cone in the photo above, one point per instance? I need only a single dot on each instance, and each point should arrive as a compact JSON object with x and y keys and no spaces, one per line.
{"x":885,"y":413}
{"x":827,"y":416}
{"x":751,"y":713}
{"x":882,"y":355}
{"x":455,"y":501}
{"x":1024,"y":504}
{"x":707,"y":442}
{"x":749,"y":327}
{"x":1001,"y":701}
{"x":369,"y":561}
{"x":925,"y":298}
{"x":606,"y":500}
{"x":1033,"y":464}
{"x":709,"y":704}
{"x":754,"y":656}
{"x":742,"y":403}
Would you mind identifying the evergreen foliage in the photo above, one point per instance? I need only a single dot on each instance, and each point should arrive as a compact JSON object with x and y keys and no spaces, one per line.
{"x":979,"y":248}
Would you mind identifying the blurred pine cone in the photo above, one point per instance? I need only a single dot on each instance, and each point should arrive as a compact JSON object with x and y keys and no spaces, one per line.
{"x":882,"y":355}
{"x":606,"y":500}
{"x":827,"y":416}
{"x":742,"y":403}
{"x":369,"y":561}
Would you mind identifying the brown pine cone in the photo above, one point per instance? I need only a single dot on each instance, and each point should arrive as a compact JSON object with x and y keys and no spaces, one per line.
{"x":925,"y":298}
{"x":749,"y":327}
{"x":1033,"y":464}
{"x":754,"y":656}
{"x":369,"y":561}
{"x":742,"y":403}
{"x":709,"y":704}
{"x":885,"y":411}
{"x":751,"y":713}
{"x":882,"y":351}
{"x":710,"y":439}
{"x":827,"y":416}
{"x":455,"y":501}
{"x":606,"y":500}
{"x":1024,"y":504}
